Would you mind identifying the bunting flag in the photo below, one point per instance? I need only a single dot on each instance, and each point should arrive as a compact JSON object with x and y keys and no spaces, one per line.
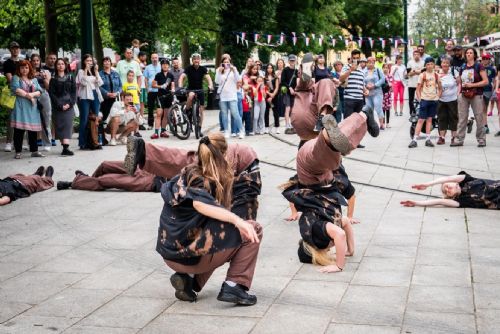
{"x":237,"y":39}
{"x":436,"y":43}
{"x":411,"y":41}
{"x":282,"y":38}
{"x":360,"y":41}
{"x":333,"y":42}
{"x":294,"y":40}
{"x":313,"y":36}
{"x":382,"y":41}
{"x":246,"y":41}
{"x":478,"y":41}
{"x":256,"y":37}
{"x":307,"y":41}
{"x":269,"y":37}
{"x":243,"y":34}
{"x":320,"y":41}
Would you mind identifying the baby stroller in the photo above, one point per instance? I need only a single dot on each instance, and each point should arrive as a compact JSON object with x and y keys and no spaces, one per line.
{"x":414,"y":119}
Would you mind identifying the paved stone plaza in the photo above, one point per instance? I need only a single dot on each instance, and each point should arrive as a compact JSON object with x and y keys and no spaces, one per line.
{"x":84,"y":262}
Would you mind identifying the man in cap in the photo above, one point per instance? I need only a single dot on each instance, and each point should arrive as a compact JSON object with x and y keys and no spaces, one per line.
{"x":491,"y":73}
{"x":379,"y":63}
{"x":288,"y":83}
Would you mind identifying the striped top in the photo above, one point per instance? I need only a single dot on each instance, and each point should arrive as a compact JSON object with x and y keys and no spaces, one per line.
{"x":355,"y":84}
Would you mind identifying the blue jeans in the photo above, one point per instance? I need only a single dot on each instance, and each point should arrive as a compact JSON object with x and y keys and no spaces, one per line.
{"x":375,"y":103}
{"x":247,"y":118}
{"x":232,"y":107}
{"x":234,"y":129}
{"x":85,"y":107}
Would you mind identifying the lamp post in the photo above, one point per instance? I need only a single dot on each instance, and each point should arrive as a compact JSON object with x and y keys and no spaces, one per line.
{"x":86,"y":27}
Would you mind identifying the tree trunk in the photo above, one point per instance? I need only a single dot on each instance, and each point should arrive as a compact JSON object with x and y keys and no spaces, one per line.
{"x":218,"y":53}
{"x":99,"y":53}
{"x":185,"y":52}
{"x":50,"y":26}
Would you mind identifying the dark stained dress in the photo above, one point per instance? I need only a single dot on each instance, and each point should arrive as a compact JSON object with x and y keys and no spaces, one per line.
{"x":62,"y":90}
{"x":479,"y":193}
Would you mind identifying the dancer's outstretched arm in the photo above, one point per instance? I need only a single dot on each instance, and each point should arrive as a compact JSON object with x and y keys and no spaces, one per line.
{"x":4,"y":200}
{"x":432,"y":202}
{"x":444,"y":179}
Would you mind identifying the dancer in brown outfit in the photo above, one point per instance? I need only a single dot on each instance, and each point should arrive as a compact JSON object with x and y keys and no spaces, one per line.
{"x":112,"y":175}
{"x":198,"y":233}
{"x":20,"y":186}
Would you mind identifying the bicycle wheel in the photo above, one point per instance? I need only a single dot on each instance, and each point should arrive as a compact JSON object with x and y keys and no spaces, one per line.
{"x":182,"y":124}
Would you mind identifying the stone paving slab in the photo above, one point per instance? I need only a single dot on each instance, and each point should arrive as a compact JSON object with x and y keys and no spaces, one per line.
{"x":84,"y":262}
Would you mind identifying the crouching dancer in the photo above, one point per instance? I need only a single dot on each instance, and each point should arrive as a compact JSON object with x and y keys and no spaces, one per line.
{"x":20,"y":186}
{"x":198,"y":233}
{"x":462,"y":191}
{"x":112,"y":175}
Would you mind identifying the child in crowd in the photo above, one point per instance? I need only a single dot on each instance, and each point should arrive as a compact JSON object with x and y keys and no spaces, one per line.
{"x":247,"y":114}
{"x":387,"y":90}
{"x":136,"y":47}
{"x":132,"y":87}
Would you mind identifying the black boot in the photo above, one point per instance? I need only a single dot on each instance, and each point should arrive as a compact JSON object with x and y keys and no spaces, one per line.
{"x":371,"y":123}
{"x":79,"y":172}
{"x":40,"y":170}
{"x":136,"y":154}
{"x":319,"y":124}
{"x":236,"y":294}
{"x":62,"y":185}
{"x":183,"y":285}
{"x":49,"y":172}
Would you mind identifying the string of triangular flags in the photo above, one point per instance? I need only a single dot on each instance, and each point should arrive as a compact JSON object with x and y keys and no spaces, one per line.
{"x":277,"y":40}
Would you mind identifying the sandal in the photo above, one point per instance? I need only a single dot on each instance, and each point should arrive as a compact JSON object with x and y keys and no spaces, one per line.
{"x":17,"y":156}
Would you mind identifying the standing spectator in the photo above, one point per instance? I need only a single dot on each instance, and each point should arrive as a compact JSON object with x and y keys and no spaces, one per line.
{"x":280,"y":65}
{"x":239,"y":94}
{"x":362,"y":65}
{"x":131,"y":86}
{"x":9,"y":69}
{"x":458,"y":59}
{"x":176,"y":71}
{"x":226,"y":77}
{"x":259,"y":66}
{"x":143,"y":96}
{"x":387,"y":90}
{"x":398,"y":72}
{"x":337,"y":72}
{"x":164,"y":82}
{"x":88,"y":82}
{"x":259,"y":105}
{"x":421,"y":50}
{"x":374,"y":79}
{"x":497,"y":94}
{"x":320,"y":71}
{"x":149,"y":74}
{"x":50,"y":63}
{"x":195,"y":74}
{"x":129,"y":64}
{"x":379,"y":60}
{"x":136,"y":48}
{"x":110,"y":90}
{"x":354,"y":91}
{"x":450,"y":45}
{"x":248,"y":64}
{"x":470,"y":86}
{"x":415,"y":67}
{"x":43,"y":78}
{"x":287,"y":83}
{"x":272,"y":84}
{"x":447,"y":109}
{"x":491,"y":73}
{"x":62,"y":91}
{"x":25,"y":115}
{"x":428,"y":93}
{"x":494,"y":97}
{"x":249,"y":82}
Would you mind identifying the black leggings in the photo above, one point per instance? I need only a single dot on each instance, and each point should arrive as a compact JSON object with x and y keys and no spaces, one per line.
{"x":18,"y":140}
{"x":387,"y":115}
{"x":276,"y":114}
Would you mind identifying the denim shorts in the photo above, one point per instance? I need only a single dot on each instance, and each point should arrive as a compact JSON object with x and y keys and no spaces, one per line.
{"x":428,"y":109}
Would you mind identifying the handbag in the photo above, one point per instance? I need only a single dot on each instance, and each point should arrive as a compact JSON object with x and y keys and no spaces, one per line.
{"x":468,"y":94}
{"x":7,"y":100}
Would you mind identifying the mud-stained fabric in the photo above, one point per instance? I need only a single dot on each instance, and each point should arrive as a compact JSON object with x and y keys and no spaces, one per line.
{"x":319,"y":206}
{"x":479,"y":193}
{"x":184,"y":235}
{"x":342,"y":183}
{"x":246,"y":188}
{"x":13,"y":189}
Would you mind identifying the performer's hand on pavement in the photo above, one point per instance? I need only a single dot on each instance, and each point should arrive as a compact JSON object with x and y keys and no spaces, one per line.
{"x":247,"y":231}
{"x":421,"y":186}
{"x":408,"y":203}
{"x":332,"y":268}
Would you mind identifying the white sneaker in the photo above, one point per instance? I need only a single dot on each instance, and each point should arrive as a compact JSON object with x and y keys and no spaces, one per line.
{"x":242,"y":135}
{"x":26,"y":148}
{"x":227,"y":135}
{"x":277,"y":131}
{"x":46,"y":148}
{"x":266,"y":131}
{"x":252,"y":133}
{"x":7,"y":147}
{"x":233,"y":134}
{"x":112,"y":142}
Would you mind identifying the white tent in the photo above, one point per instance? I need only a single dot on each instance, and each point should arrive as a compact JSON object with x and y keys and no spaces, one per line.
{"x":494,"y":47}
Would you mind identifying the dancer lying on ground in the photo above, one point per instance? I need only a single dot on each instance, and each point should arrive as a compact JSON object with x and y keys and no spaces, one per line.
{"x":112,"y":175}
{"x":198,"y":233}
{"x":168,"y":162}
{"x":462,"y":191}
{"x":19,"y":186}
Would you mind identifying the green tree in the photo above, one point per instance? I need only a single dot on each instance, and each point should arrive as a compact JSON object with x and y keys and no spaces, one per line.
{"x":377,"y":18}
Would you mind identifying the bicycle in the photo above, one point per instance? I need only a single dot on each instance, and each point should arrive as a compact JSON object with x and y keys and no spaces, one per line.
{"x":178,"y":121}
{"x":195,"y":116}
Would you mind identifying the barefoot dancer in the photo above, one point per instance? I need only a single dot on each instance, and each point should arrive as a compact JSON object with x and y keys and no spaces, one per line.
{"x":198,"y":233}
{"x":21,"y":186}
{"x":462,"y":191}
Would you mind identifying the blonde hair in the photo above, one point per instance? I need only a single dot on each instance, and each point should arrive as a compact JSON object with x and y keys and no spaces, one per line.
{"x":213,"y":167}
{"x":320,"y":257}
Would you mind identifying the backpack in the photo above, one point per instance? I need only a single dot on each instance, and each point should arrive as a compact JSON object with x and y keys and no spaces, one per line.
{"x":436,"y":78}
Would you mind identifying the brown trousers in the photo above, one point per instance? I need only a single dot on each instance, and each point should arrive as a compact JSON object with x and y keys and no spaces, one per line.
{"x":112,"y":174}
{"x":477,"y":105}
{"x":316,"y":159}
{"x":310,"y":99}
{"x":166,"y":161}
{"x":242,"y":261}
{"x":34,"y":183}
